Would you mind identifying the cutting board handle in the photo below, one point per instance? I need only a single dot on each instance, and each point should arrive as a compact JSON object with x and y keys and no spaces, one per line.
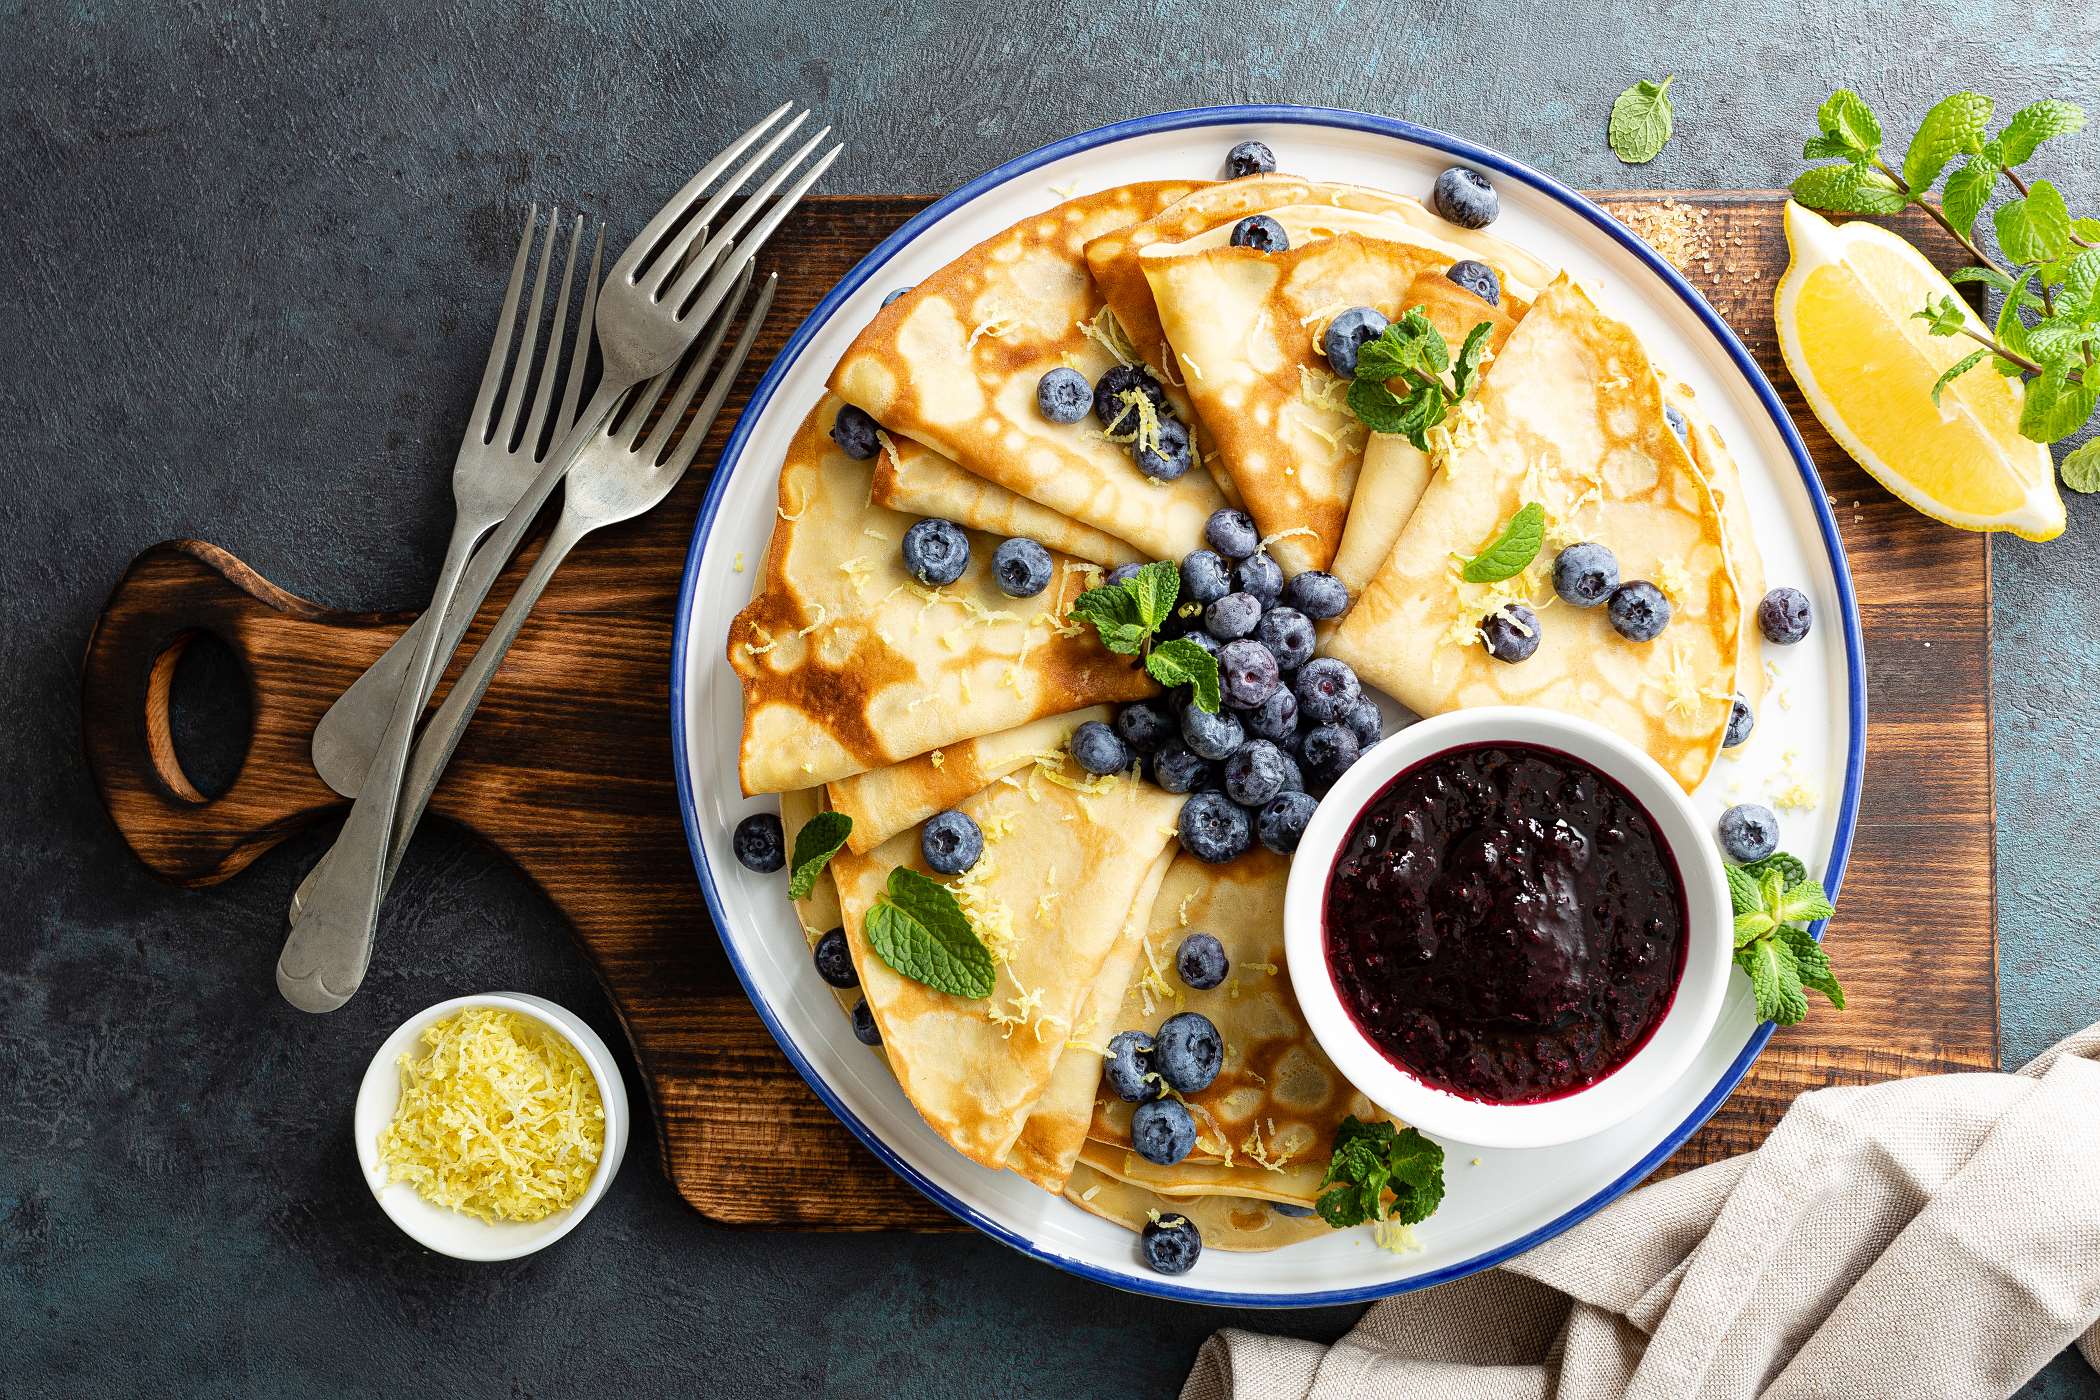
{"x":296,"y":658}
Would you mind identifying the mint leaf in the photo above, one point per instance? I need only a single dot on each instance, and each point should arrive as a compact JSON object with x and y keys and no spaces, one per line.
{"x":2038,"y":122}
{"x":1848,"y":189}
{"x":1812,"y":965}
{"x":1775,"y":980}
{"x":1827,"y":146}
{"x":1467,"y":368}
{"x":2058,"y":337}
{"x":1410,"y":343}
{"x":1155,"y":587}
{"x":920,"y":931}
{"x":1947,"y":315}
{"x":1113,"y":610}
{"x":2081,"y":470}
{"x":1753,"y":923}
{"x":1641,"y":121}
{"x":1376,"y":406}
{"x":815,"y":844}
{"x":2035,"y":228}
{"x":1953,"y":127}
{"x":1743,"y":895}
{"x":1989,"y":276}
{"x":1513,"y":551}
{"x":1846,"y":116}
{"x":1790,"y":870}
{"x":2057,"y":407}
{"x":1956,"y":370}
{"x":1804,"y":902}
{"x":1371,"y":1159}
{"x":2079,"y":293}
{"x":2011,"y":330}
{"x":1967,"y":191}
{"x":1182,"y":662}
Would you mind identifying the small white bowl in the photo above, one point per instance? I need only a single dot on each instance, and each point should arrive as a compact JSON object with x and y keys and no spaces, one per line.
{"x":448,"y":1231}
{"x":1439,"y":1113}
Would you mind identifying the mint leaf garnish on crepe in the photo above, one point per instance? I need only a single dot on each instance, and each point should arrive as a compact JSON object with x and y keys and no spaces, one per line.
{"x":1129,"y":614}
{"x":1413,"y":351}
{"x":919,"y":930}
{"x":815,"y":844}
{"x":1772,"y":898}
{"x":1372,"y":1159}
{"x":1513,"y":550}
{"x":1641,"y":121}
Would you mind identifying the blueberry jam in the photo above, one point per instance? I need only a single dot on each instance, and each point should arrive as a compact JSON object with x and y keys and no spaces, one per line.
{"x":1505,"y":922}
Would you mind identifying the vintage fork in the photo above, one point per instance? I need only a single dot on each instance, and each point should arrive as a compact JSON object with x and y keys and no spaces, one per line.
{"x":625,"y":470}
{"x":348,"y":735}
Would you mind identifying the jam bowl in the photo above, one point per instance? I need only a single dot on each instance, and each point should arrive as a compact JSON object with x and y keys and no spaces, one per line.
{"x":1509,"y":927}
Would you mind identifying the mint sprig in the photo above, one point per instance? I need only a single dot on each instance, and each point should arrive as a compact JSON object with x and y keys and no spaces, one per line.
{"x":1128,"y":616}
{"x":917,"y":927}
{"x":1372,"y":1161}
{"x":2048,"y":329}
{"x":1773,"y":898}
{"x":815,"y":844}
{"x":1513,"y":550}
{"x":1413,"y":351}
{"x":1641,"y":121}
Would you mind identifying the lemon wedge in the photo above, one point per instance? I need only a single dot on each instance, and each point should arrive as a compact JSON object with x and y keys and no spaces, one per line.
{"x":1867,"y":368}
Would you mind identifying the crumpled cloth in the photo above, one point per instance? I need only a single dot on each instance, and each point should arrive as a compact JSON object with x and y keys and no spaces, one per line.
{"x":1920,"y":1238}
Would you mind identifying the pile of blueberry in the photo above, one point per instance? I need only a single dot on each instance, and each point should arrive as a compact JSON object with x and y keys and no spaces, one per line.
{"x":1064,"y":396}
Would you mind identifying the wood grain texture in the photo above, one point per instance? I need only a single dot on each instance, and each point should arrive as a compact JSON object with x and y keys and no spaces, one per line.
{"x":566,"y":771}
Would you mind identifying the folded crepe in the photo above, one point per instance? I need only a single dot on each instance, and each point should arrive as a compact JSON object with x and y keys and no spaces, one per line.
{"x":1570,"y":418}
{"x":1064,"y":864}
{"x":913,"y":478}
{"x":1232,"y":1223}
{"x":819,"y":913}
{"x":1246,"y":328}
{"x":1265,"y":1127}
{"x":884,"y":801}
{"x":1717,"y":464}
{"x":954,"y":363}
{"x":848,"y":664}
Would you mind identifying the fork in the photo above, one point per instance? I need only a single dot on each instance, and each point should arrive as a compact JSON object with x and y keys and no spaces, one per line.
{"x":662,"y":291}
{"x":349,"y":734}
{"x":626,"y":469}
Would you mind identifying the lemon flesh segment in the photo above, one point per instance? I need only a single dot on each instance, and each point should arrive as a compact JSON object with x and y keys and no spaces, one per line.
{"x":1867,"y":366}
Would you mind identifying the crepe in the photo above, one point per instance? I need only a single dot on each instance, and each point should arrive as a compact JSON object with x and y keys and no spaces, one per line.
{"x":819,"y":914}
{"x":847,"y":664}
{"x":1711,"y":455}
{"x":1246,"y":328}
{"x":1265,"y":1127}
{"x":884,"y":801}
{"x":1572,"y":418}
{"x":1229,"y":1223}
{"x":1052,"y":896}
{"x":913,"y":478}
{"x":954,"y":363}
{"x":1114,"y":256}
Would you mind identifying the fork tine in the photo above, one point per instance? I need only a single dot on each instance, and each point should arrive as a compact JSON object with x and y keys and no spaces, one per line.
{"x":674,"y":211}
{"x":725,"y":379}
{"x":727,"y":265}
{"x":757,"y":202}
{"x":579,"y":358}
{"x":507,"y":430}
{"x":696,"y":367}
{"x":664,"y":269}
{"x":499,"y":348}
{"x":550,"y":367}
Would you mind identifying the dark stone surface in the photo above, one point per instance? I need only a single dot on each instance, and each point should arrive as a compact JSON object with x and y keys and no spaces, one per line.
{"x":250,"y":251}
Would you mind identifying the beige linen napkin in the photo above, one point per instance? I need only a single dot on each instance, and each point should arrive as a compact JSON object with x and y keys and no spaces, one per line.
{"x":1924,"y":1237}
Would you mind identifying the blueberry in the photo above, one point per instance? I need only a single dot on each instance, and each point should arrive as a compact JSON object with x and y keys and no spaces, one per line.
{"x":1512,"y":632}
{"x":1328,"y":750}
{"x":1171,"y":457}
{"x":1162,"y":1131}
{"x":1676,"y":421}
{"x":951,"y":842}
{"x":1293,"y":775}
{"x":1254,"y":774}
{"x":1318,"y":594}
{"x":1585,"y":574}
{"x":1363,"y":720}
{"x":1287,"y":632}
{"x":1639,"y":612}
{"x":1477,"y":278}
{"x":1145,"y":725}
{"x":936,"y":552}
{"x":1022,"y":568}
{"x":1129,"y":1061}
{"x":1231,"y":533}
{"x":1741,"y":720}
{"x":1118,"y":380}
{"x":1212,"y":829}
{"x":1188,"y":1052}
{"x":1294,"y":1212}
{"x":1261,"y":233}
{"x":1204,"y":577}
{"x":1347,"y":334}
{"x":1121,"y":573}
{"x":1064,"y":396}
{"x":1282,"y":821}
{"x":1201,"y":961}
{"x":1327,"y":690}
{"x":1783,"y":616}
{"x":1248,"y":673}
{"x":854,"y":432}
{"x":1465,"y":198}
{"x":1260,"y":575}
{"x":864,"y":1028}
{"x":894,"y":294}
{"x":759,"y":843}
{"x":1233,"y":616}
{"x":834,"y":962}
{"x":1211,"y":736}
{"x":1749,"y":831}
{"x":1172,"y":1243}
{"x":1249,"y":158}
{"x":1275,"y":719}
{"x":1098,"y":749}
{"x":1177,"y":768}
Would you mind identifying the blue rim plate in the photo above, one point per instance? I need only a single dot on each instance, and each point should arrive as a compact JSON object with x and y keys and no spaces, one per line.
{"x":1736,"y":393}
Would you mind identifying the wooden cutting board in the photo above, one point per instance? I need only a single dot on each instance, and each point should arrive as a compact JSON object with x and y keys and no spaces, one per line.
{"x":567,"y":772}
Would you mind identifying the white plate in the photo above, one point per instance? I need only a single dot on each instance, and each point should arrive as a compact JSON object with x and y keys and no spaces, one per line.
{"x":1811,"y":730}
